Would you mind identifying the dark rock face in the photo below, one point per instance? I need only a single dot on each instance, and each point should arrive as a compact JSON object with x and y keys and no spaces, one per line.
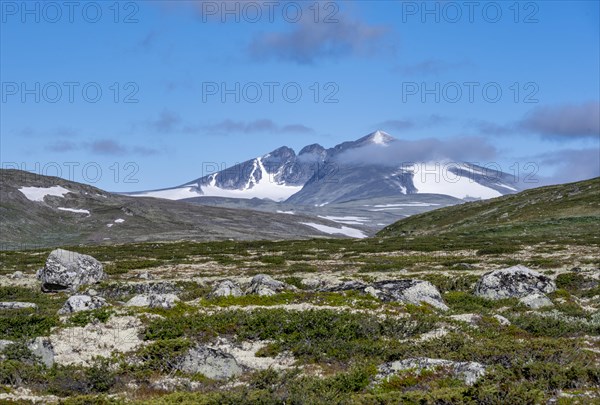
{"x":346,"y":286}
{"x":68,"y":271}
{"x":517,"y":281}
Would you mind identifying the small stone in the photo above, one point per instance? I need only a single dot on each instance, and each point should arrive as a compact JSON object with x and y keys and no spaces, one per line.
{"x":503,"y":321}
{"x":17,"y":275}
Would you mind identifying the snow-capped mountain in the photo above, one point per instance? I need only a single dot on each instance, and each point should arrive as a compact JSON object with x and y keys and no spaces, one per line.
{"x":353,"y":170}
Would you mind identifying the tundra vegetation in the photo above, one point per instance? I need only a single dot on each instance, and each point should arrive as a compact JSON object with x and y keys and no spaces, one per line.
{"x":317,"y":326}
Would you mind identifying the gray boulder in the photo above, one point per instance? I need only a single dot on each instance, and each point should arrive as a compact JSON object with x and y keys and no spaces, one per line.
{"x":536,"y":301}
{"x":517,"y":281}
{"x":166,"y":301}
{"x":212,"y":363}
{"x":78,"y":303}
{"x":67,"y":271}
{"x":265,"y":285}
{"x":227,"y":288}
{"x":42,"y":348}
{"x":408,"y":291}
{"x":469,"y":372}
{"x":17,"y":305}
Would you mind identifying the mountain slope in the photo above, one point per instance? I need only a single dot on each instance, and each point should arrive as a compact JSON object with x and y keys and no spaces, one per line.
{"x":353,"y":170}
{"x":39,"y":211}
{"x":566,"y":210}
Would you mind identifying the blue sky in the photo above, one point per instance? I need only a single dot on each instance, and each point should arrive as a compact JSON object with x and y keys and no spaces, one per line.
{"x":168,"y":72}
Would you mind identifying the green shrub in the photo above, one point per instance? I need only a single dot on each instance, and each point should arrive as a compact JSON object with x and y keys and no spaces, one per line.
{"x":19,"y":325}
{"x":314,"y":335}
{"x":164,"y":355}
{"x":96,"y":315}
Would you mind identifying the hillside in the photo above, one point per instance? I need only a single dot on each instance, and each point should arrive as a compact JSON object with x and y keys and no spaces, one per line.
{"x":563,"y":211}
{"x":42,"y":211}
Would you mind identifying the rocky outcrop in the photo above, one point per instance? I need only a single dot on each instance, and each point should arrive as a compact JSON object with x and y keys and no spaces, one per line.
{"x":68,"y":271}
{"x":212,"y":363}
{"x":226,"y":288}
{"x":408,"y":291}
{"x":166,"y":301}
{"x":513,"y":282}
{"x":78,"y":303}
{"x":17,"y":305}
{"x":121,"y":291}
{"x":265,"y":285}
{"x":469,"y":372}
{"x":346,"y":286}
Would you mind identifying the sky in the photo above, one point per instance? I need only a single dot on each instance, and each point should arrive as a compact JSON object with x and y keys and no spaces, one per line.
{"x":144,"y":95}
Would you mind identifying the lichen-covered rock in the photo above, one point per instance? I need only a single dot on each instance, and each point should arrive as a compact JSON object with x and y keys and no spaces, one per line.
{"x":226,"y":288}
{"x":17,"y":305}
{"x":42,"y":348}
{"x":78,"y":303}
{"x":408,"y":291}
{"x":536,"y":301}
{"x":17,"y":275}
{"x":67,"y":271}
{"x":166,"y":301}
{"x":210,"y":362}
{"x":517,"y":281}
{"x":265,"y":285}
{"x":469,"y":372}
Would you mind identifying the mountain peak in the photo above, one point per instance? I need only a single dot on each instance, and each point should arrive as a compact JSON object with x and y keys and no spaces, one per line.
{"x":380,"y":137}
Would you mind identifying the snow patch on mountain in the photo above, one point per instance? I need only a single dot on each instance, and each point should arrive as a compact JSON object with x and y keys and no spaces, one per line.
{"x":77,"y":211}
{"x":344,"y":230}
{"x":38,"y":193}
{"x":170,"y":194}
{"x":263,"y":186}
{"x":381,"y":138}
{"x":433,"y":178}
{"x":348,"y":220}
